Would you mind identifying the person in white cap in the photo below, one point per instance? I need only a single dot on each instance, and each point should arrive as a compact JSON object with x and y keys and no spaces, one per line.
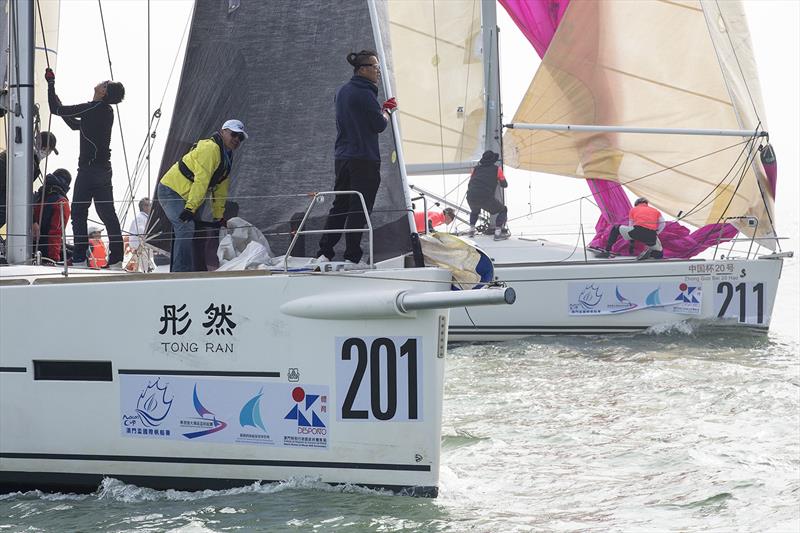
{"x":183,"y":189}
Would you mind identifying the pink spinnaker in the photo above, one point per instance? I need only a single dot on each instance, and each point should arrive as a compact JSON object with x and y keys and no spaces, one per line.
{"x":538,"y":20}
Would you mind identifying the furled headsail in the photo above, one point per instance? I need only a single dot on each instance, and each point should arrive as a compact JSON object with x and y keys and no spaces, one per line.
{"x":276,"y":66}
{"x":681,"y":64}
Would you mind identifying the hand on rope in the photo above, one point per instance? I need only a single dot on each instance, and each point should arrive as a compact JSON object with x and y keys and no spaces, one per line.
{"x":389,"y":105}
{"x":186,"y":216}
{"x":49,"y":76}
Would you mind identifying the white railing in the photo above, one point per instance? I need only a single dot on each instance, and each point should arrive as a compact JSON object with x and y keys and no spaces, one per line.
{"x":301,"y":231}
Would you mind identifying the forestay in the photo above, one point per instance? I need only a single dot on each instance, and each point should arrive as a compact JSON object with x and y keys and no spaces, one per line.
{"x":276,"y":66}
{"x":653,"y":64}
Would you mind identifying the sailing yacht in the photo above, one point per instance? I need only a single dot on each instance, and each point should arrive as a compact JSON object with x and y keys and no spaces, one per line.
{"x":219,"y":379}
{"x":661,"y":99}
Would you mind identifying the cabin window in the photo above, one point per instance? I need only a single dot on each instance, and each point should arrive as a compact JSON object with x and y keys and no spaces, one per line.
{"x":72,"y":370}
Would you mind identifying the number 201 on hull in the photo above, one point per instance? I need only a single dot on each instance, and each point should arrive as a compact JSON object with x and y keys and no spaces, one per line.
{"x":379,"y":379}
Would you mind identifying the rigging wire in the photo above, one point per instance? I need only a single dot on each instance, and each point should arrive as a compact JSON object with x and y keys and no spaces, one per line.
{"x":116,"y":106}
{"x":632,"y":180}
{"x":149,"y":146}
{"x":738,"y":63}
{"x":37,"y":122}
{"x":155,"y":121}
{"x":439,"y":93}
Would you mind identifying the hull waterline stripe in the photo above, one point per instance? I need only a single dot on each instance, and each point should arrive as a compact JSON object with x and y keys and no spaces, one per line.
{"x":516,"y":329}
{"x":214,"y":461}
{"x":465,"y":331}
{"x":12,"y":481}
{"x":199,"y":373}
{"x":13,"y":369}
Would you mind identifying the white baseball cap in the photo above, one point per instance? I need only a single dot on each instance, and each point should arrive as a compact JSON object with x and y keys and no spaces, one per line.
{"x":235,"y":125}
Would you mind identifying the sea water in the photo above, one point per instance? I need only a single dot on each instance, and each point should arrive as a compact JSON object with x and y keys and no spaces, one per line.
{"x":671,"y":430}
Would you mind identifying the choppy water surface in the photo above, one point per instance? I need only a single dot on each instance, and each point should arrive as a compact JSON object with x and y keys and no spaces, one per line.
{"x":670,"y":430}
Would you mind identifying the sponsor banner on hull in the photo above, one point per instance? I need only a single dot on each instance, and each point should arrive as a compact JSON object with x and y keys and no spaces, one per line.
{"x":224,"y":411}
{"x":609,"y":298}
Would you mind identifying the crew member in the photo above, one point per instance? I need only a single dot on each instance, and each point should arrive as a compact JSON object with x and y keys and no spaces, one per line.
{"x":93,"y":183}
{"x":182,"y":190}
{"x":645,"y":223}
{"x":96,"y":258}
{"x":360,"y":118}
{"x":435,"y":218}
{"x":43,"y":146}
{"x":50,"y":205}
{"x":483,"y":182}
{"x":140,"y":255}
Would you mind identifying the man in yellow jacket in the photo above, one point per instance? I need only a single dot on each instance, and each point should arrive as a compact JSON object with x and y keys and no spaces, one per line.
{"x":203,"y":171}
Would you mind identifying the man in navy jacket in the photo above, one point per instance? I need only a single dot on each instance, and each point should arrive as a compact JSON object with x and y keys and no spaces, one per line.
{"x":359,"y":121}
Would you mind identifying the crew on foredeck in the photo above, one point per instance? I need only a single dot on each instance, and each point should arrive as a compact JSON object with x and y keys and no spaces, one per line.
{"x":94,"y":121}
{"x":645,"y":223}
{"x":483,"y":182}
{"x":360,"y":118}
{"x":204,"y":170}
{"x":51,"y":213}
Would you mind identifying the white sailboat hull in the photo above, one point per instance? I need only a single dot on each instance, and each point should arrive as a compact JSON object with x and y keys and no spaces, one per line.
{"x":192,"y":382}
{"x":549,"y":279}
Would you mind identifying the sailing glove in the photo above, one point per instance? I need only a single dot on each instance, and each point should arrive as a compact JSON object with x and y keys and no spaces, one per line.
{"x":49,"y":76}
{"x":186,"y":216}
{"x":389,"y":105}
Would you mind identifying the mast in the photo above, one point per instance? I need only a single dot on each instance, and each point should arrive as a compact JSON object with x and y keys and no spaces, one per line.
{"x":387,"y":90}
{"x":491,"y":77}
{"x":491,"y":84}
{"x":19,"y":152}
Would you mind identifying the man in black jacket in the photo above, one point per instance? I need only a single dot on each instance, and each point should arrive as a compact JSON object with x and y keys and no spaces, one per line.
{"x":94,"y":121}
{"x":480,"y":194}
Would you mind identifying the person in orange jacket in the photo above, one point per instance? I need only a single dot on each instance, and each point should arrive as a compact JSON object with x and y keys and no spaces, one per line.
{"x":435,"y":218}
{"x":97,"y":250}
{"x":645,"y":223}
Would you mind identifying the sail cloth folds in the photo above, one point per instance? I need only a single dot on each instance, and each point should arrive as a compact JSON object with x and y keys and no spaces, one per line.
{"x":677,"y":64}
{"x":538,"y":19}
{"x":437,"y":56}
{"x":276,"y":66}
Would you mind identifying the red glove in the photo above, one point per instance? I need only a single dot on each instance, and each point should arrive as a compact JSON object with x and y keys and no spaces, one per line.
{"x":49,"y":75}
{"x":389,"y":105}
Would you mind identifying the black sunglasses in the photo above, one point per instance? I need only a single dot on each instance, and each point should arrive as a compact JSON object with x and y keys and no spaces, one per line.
{"x":238,"y":134}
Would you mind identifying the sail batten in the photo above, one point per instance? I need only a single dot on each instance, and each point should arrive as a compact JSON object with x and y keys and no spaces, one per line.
{"x":651,"y":64}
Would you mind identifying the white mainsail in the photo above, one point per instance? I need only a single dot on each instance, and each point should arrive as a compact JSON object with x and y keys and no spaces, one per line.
{"x":665,"y":64}
{"x":438,"y":64}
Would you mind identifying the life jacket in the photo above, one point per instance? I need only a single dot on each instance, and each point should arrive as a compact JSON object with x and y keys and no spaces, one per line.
{"x":97,"y":254}
{"x":435,"y":218}
{"x":222,"y":170}
{"x":645,"y":216}
{"x":484,"y":180}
